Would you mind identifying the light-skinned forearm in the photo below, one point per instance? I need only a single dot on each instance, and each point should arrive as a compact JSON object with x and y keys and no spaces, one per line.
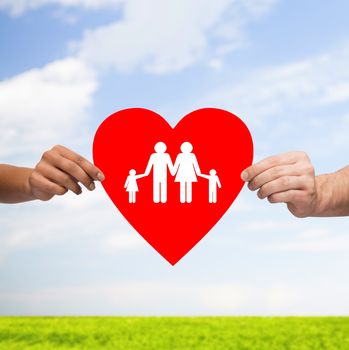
{"x":14,"y":185}
{"x":332,"y":194}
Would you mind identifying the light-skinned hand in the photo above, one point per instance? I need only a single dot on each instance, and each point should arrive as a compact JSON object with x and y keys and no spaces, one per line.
{"x":286,"y":178}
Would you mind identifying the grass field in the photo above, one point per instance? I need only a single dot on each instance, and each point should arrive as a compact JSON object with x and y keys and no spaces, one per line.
{"x":89,"y":333}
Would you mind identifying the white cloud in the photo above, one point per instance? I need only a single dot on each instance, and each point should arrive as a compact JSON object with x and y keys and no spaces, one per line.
{"x":44,"y":106}
{"x":314,"y":240}
{"x":18,"y":7}
{"x":166,"y":36}
{"x":41,"y":107}
{"x":318,"y":81}
{"x":91,"y":216}
{"x":216,"y":64}
{"x":259,"y":8}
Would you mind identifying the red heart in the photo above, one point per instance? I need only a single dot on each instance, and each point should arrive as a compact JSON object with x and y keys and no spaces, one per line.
{"x":125,"y":141}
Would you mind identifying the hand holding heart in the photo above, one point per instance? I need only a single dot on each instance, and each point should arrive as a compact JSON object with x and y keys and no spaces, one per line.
{"x":175,"y":228}
{"x":285,"y":178}
{"x":59,"y":170}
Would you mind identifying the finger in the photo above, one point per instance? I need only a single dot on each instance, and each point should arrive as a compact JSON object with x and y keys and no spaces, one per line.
{"x":74,"y":170}
{"x":285,"y":197}
{"x":69,"y":167}
{"x":59,"y":177}
{"x":87,"y":166}
{"x":44,"y":188}
{"x":270,"y":162}
{"x":282,"y":184}
{"x":273,"y":174}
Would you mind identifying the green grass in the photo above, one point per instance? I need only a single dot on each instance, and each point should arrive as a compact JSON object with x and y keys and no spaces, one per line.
{"x":143,"y":333}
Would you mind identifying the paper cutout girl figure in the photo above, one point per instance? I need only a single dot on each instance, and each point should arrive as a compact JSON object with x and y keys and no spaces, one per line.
{"x":131,"y":185}
{"x":213,"y":183}
{"x":186,"y":168}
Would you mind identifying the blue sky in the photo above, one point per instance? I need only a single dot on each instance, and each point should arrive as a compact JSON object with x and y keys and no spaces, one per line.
{"x":66,"y":65}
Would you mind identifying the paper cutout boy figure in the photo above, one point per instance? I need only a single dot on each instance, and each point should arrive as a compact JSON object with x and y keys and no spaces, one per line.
{"x":131,"y":185}
{"x":213,"y":183}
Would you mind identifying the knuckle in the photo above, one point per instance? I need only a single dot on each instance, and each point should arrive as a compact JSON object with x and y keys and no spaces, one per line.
{"x":46,"y":155}
{"x":285,"y":181}
{"x":303,"y":155}
{"x":310,"y":169}
{"x":273,"y":161}
{"x":306,"y":170}
{"x":80,"y":159}
{"x":39,"y":168}
{"x":275,"y":172}
{"x":57,"y":147}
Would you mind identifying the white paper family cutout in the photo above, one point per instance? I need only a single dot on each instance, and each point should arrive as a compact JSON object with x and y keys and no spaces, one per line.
{"x":186,"y":169}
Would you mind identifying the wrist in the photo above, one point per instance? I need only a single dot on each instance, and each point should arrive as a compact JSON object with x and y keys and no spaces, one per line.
{"x":27,"y":188}
{"x":323,"y":197}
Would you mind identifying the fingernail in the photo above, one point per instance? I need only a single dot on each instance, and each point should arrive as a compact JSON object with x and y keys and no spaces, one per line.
{"x":92,"y":186}
{"x":100,"y":176}
{"x":244,"y":175}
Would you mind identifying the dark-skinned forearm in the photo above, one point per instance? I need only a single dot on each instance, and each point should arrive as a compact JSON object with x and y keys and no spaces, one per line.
{"x":14,"y":186}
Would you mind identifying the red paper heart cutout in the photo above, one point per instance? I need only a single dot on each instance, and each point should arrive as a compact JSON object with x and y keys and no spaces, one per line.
{"x":126,"y":140}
